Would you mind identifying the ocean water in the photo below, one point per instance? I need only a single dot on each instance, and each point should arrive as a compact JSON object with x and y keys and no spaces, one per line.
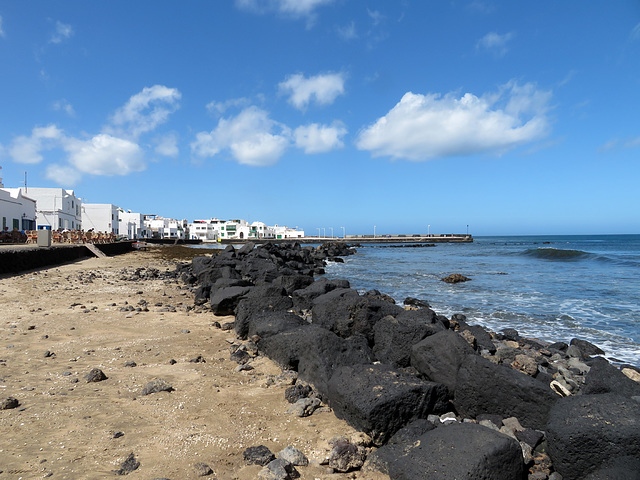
{"x":554,"y":288}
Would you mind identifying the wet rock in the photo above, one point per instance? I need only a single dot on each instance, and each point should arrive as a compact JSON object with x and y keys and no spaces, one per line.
{"x":258,"y":455}
{"x":9,"y":403}
{"x":95,"y":375}
{"x":128,"y":466}
{"x":455,"y":278}
{"x":587,"y":349}
{"x":416,"y":302}
{"x":156,"y":386}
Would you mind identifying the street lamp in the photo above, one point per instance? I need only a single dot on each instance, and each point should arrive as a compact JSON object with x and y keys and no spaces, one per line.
{"x":318,"y":232}
{"x":374,"y":231}
{"x":428,"y":230}
{"x":344,"y":235}
{"x":331,"y":232}
{"x":324,"y":232}
{"x":467,"y":230}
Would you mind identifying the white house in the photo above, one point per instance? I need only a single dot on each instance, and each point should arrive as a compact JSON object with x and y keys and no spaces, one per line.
{"x":56,"y":208}
{"x":17,"y":211}
{"x":132,"y":225}
{"x":205,"y":230}
{"x":281,"y":232}
{"x":165,"y":228}
{"x":101,"y":217}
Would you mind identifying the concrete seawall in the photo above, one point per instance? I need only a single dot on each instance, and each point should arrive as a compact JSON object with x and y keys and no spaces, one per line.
{"x":18,"y":258}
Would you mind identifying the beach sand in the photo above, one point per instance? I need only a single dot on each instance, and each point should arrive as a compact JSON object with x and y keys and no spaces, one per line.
{"x":59,"y":323}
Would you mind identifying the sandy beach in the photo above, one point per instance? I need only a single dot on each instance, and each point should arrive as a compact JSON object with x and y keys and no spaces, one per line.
{"x":59,"y":323}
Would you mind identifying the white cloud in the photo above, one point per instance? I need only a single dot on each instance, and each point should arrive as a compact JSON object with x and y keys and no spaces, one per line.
{"x":376,"y":17}
{"x":218,"y":108}
{"x":64,"y":106}
{"x":63,"y":31}
{"x":323,"y":88}
{"x":63,"y":175}
{"x":315,"y":138}
{"x":423,"y":127}
{"x":495,"y":43}
{"x":2,"y":34}
{"x":348,"y":32}
{"x":167,"y":145}
{"x":293,"y":8}
{"x":27,"y":149}
{"x":635,"y":32}
{"x":251,"y":137}
{"x":105,"y":155}
{"x":145,"y":111}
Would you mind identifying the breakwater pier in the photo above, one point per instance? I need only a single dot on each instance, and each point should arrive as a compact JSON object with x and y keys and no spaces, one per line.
{"x":417,"y":238}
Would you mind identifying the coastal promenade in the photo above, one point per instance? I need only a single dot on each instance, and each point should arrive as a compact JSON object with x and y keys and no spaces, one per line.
{"x":417,"y":238}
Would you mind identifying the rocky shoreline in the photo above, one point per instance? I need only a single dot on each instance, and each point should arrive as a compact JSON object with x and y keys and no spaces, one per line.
{"x":435,"y":397}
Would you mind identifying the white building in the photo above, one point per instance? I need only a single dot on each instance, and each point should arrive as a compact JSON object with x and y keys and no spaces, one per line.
{"x":281,"y":232}
{"x":165,"y":228}
{"x":101,"y":217}
{"x":205,"y":230}
{"x":132,"y":225}
{"x":213,"y":230}
{"x":56,"y":208}
{"x":17,"y":211}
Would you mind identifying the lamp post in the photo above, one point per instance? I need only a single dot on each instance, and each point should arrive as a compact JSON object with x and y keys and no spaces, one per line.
{"x":331,"y":232}
{"x":324,"y":232}
{"x":318,"y":232}
{"x":467,"y":230}
{"x":344,"y":235}
{"x":428,"y":230}
{"x":374,"y":231}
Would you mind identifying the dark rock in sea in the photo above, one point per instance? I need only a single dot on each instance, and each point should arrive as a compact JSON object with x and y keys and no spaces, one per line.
{"x":259,"y":455}
{"x":9,"y":403}
{"x":156,"y":386}
{"x":585,"y":432}
{"x":346,"y":456}
{"x":455,"y":278}
{"x":461,"y":451}
{"x":393,"y":337}
{"x":278,"y":469}
{"x":249,"y":307}
{"x":296,"y":392}
{"x":587,"y":349}
{"x":438,"y":357}
{"x":605,"y":378}
{"x":315,"y":352}
{"x":483,"y":387}
{"x":293,"y":456}
{"x":416,"y":302}
{"x":128,"y":466}
{"x":202,"y":469}
{"x":380,"y":401}
{"x":225,"y":300}
{"x":95,"y":375}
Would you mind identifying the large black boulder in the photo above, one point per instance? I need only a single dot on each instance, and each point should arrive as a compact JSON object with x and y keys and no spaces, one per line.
{"x":258,"y":269}
{"x":303,"y":298}
{"x":350,"y":314}
{"x":483,"y":387}
{"x":315,"y":353}
{"x":605,"y":378}
{"x":462,"y":451}
{"x":483,"y":339}
{"x":225,"y":300}
{"x":380,"y":401}
{"x":439,"y":356}
{"x":293,"y":282}
{"x":586,"y":432}
{"x":250,"y":305}
{"x":394,"y":336}
{"x":267,"y":324}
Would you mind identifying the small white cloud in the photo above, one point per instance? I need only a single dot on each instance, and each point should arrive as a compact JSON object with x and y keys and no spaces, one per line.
{"x":145,"y":111}
{"x":219,"y":108}
{"x":63,"y":175}
{"x":635,"y":32}
{"x":292,"y":8}
{"x":376,"y":17}
{"x":27,"y":149}
{"x":495,"y":43}
{"x":423,"y":127}
{"x":2,"y":34}
{"x":251,"y":137}
{"x":315,"y":138}
{"x":63,"y":31}
{"x":64,"y":106}
{"x":167,"y":146}
{"x":322,"y":88}
{"x":105,"y":155}
{"x":347,"y":32}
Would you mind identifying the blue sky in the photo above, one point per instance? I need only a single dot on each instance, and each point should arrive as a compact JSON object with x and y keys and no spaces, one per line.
{"x":510,"y":117}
